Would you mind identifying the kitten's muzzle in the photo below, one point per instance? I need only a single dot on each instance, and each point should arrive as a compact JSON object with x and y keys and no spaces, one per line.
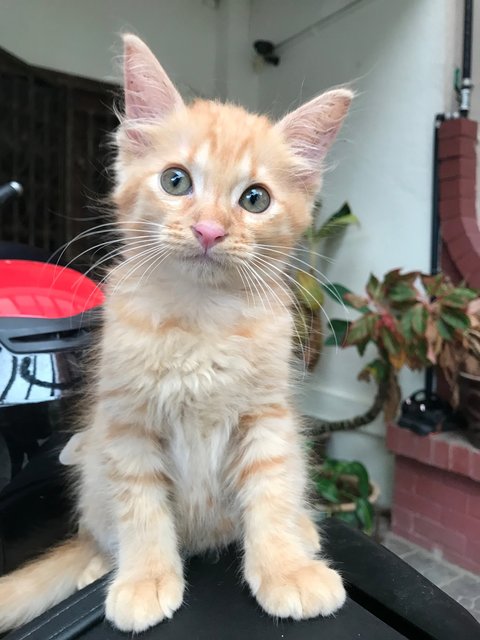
{"x":208,"y":233}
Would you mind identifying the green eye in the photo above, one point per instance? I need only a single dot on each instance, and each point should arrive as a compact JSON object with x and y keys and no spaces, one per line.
{"x":176,"y":181}
{"x":255,"y":199}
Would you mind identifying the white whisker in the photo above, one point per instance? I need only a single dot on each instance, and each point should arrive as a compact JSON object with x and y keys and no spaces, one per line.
{"x":296,"y":283}
{"x":289,"y":294}
{"x":320,"y":274}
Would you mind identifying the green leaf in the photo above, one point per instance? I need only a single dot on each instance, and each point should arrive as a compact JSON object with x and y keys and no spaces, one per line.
{"x":338,"y":292}
{"x":334,"y":465}
{"x":391,"y":278}
{"x":378,"y":369}
{"x":349,"y":517}
{"x":347,"y":467}
{"x":402,"y":292}
{"x":373,"y":287}
{"x":339,"y":325}
{"x":338,"y":221}
{"x":339,"y":331}
{"x":406,"y":324}
{"x":361,"y":346}
{"x":327,"y":489}
{"x":468,"y":294}
{"x":332,"y":227}
{"x":357,"y":469}
{"x":358,"y":302}
{"x":390,"y":342}
{"x":455,"y":318}
{"x":446,"y":331}
{"x":432,"y":284}
{"x":309,"y":234}
{"x":309,"y":290}
{"x":344,"y":210}
{"x":364,"y":512}
{"x":459,"y":298}
{"x":419,"y":319}
{"x":361,"y":329}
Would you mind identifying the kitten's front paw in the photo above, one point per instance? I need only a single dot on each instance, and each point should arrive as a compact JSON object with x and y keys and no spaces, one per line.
{"x":311,"y":590}
{"x":136,"y":605}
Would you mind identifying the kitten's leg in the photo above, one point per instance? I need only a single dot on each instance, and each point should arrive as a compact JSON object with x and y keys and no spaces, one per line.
{"x":280,"y":567}
{"x":148,"y":584}
{"x":310,"y":534}
{"x":96,"y":568}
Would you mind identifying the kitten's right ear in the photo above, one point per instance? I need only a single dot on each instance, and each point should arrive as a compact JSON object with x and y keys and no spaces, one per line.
{"x":311,"y":129}
{"x":149,"y":92}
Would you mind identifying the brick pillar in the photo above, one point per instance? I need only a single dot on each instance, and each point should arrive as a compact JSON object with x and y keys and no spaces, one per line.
{"x":458,"y":218}
{"x":436,"y":500}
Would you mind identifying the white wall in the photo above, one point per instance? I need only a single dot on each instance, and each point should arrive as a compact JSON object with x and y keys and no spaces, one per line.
{"x":204,"y":44}
{"x":82,"y":36}
{"x":397,"y":55}
{"x":475,"y":110}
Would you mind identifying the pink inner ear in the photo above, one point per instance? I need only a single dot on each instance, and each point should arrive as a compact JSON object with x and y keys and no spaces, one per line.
{"x":311,"y":129}
{"x":149,"y":93}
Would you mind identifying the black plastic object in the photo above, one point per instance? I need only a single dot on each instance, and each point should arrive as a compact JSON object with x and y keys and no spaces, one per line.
{"x":35,"y":506}
{"x":425,"y":413}
{"x":45,"y":335}
{"x":216,"y":607}
{"x":41,"y":359}
{"x":388,"y":600}
{"x":17,"y":251}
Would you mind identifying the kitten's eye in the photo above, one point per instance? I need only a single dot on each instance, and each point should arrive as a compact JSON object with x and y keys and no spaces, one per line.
{"x":176,"y":181}
{"x":255,"y":199}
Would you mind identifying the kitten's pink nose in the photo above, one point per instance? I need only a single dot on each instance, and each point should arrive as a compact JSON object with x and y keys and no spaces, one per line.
{"x":208,"y":233}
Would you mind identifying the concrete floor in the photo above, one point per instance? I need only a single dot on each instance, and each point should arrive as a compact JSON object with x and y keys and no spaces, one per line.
{"x":458,"y":583}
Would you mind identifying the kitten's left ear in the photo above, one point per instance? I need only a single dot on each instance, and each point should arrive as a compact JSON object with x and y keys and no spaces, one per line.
{"x":311,"y":129}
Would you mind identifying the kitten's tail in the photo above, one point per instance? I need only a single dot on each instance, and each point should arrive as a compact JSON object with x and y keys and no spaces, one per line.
{"x":34,"y":588}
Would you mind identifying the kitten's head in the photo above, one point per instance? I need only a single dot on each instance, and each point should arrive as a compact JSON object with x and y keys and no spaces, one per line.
{"x":207,"y":188}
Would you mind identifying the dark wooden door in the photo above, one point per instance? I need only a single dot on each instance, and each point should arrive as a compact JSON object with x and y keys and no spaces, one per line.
{"x":54,"y":139}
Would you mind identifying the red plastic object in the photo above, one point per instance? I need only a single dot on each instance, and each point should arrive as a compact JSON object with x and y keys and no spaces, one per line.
{"x":31,"y":289}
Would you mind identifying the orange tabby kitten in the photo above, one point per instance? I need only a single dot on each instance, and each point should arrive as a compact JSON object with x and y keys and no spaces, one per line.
{"x":193,"y":441}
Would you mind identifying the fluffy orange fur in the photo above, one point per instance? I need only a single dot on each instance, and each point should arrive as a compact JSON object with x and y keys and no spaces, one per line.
{"x":193,"y":441}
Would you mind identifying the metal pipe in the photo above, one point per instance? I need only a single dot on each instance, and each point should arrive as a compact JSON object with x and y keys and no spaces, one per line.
{"x":435,"y":232}
{"x":466,"y":85}
{"x":322,"y":22}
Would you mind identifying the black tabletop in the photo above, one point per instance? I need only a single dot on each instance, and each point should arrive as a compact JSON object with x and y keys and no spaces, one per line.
{"x":387,"y":599}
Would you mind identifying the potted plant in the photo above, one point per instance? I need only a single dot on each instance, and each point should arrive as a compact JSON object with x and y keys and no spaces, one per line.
{"x":343,"y":490}
{"x":461,"y":367}
{"x":305,"y":279}
{"x":414,"y":320}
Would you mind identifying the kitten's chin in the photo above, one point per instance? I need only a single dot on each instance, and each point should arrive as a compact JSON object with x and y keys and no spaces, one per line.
{"x":209,"y":269}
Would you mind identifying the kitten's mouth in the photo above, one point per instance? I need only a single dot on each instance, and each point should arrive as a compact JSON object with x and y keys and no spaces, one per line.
{"x":206,"y":257}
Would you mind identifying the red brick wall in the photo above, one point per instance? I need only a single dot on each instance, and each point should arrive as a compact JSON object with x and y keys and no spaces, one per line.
{"x":458,"y":218}
{"x":436,"y":501}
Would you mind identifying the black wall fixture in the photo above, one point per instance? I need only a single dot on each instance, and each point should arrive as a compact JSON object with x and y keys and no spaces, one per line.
{"x":466,"y":84}
{"x":266,"y":50}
